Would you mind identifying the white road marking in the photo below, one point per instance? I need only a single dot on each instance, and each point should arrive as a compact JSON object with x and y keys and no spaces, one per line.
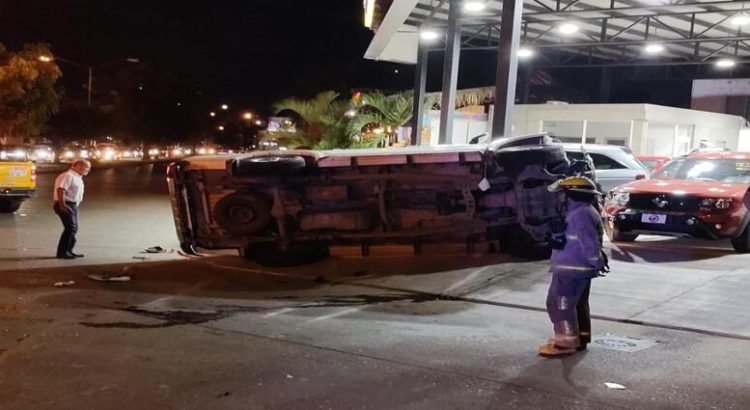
{"x":465,"y":280}
{"x":335,"y":314}
{"x":279,"y":312}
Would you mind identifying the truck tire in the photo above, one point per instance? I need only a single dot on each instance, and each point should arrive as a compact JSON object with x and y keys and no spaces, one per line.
{"x":9,"y":206}
{"x":242,"y":213}
{"x":741,"y":244}
{"x":266,"y":165}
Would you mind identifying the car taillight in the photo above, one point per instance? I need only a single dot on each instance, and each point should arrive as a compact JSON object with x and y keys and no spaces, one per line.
{"x":641,"y":176}
{"x":33,"y":173}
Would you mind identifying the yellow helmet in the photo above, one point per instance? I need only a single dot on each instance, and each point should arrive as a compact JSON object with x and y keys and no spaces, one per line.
{"x":578,"y":184}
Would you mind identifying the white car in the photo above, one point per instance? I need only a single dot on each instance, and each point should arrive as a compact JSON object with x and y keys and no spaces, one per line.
{"x":613,"y":164}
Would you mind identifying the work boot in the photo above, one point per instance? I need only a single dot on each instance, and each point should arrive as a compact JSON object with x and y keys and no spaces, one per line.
{"x":556,"y":351}
{"x":551,"y":343}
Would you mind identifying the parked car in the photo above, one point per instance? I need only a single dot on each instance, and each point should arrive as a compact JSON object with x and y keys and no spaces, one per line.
{"x":653,"y":162}
{"x":703,"y":195}
{"x":17,"y":177}
{"x":274,"y":200}
{"x":613,"y":164}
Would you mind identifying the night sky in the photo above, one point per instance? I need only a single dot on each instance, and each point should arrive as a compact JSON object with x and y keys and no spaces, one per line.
{"x":247,"y":53}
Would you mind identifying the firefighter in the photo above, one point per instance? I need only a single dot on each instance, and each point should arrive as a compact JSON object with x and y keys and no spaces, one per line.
{"x":577,"y":257}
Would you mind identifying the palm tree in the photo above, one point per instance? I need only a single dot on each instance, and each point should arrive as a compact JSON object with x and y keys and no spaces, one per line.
{"x":387,"y":112}
{"x":321,"y":122}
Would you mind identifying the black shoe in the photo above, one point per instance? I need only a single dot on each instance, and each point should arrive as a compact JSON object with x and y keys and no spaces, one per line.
{"x":66,"y":256}
{"x":76,"y":255}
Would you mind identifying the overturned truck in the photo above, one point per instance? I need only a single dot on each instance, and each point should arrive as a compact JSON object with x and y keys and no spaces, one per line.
{"x":295,"y":204}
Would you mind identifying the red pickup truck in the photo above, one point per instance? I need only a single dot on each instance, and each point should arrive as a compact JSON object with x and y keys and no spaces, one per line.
{"x":702,"y":195}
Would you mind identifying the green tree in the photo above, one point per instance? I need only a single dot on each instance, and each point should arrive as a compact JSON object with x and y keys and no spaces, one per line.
{"x":388,"y":112}
{"x":321,"y":123}
{"x":29,"y":94}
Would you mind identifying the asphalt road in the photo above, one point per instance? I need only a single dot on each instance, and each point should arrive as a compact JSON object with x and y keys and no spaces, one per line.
{"x":431,"y":332}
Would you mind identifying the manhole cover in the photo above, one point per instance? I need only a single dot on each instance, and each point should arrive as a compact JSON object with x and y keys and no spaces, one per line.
{"x":623,"y":344}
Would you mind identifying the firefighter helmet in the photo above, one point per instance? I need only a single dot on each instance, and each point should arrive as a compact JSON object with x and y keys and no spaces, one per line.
{"x":577,"y":184}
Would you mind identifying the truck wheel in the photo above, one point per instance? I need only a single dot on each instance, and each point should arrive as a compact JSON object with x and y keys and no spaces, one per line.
{"x":615,"y":235}
{"x":9,"y":206}
{"x":741,"y":244}
{"x":265,"y":165}
{"x":243,"y":213}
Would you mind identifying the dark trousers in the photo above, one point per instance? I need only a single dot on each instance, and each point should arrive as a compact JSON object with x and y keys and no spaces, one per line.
{"x":70,"y":225}
{"x":568,"y":307}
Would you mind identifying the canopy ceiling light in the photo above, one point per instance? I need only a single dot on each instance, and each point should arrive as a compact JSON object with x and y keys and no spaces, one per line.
{"x":740,"y":19}
{"x":725,"y":63}
{"x":525,"y":52}
{"x":428,"y":33}
{"x":653,"y":48}
{"x":567,"y":28}
{"x":474,"y":6}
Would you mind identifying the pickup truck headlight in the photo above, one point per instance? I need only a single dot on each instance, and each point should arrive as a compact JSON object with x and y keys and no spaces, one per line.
{"x":621,"y":198}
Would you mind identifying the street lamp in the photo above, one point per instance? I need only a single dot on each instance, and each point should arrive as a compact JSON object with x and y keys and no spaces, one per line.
{"x":47,"y":59}
{"x":247,"y":116}
{"x":213,"y":114}
{"x":224,"y":107}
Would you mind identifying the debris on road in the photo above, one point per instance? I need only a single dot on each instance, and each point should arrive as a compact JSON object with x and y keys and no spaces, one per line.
{"x":64,"y":284}
{"x":289,"y":376}
{"x":110,"y":278}
{"x":615,"y":386}
{"x":155,"y":249}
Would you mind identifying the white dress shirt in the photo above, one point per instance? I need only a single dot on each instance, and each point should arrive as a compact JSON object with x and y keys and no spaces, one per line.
{"x":72,"y":183}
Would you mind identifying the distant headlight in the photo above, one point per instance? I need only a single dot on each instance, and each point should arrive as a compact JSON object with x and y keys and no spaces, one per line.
{"x":201,"y":151}
{"x":153,"y":151}
{"x":68,"y":154}
{"x":621,"y":198}
{"x":84,"y":153}
{"x":16,"y":154}
{"x":211,"y":151}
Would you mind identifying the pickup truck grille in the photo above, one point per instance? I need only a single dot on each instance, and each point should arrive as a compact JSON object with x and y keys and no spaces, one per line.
{"x":665,"y":202}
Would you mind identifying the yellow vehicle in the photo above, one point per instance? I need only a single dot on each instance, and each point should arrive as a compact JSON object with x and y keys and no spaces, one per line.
{"x":17,"y":178}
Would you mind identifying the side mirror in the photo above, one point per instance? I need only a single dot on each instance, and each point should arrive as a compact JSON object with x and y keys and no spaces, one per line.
{"x":477,"y":139}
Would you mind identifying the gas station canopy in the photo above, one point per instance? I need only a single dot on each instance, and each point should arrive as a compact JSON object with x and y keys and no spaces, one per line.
{"x":576,"y":32}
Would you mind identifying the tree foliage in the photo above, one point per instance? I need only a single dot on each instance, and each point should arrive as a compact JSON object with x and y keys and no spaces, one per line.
{"x":29,"y":94}
{"x":321,"y":122}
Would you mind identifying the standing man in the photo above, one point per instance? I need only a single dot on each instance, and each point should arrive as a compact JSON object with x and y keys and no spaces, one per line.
{"x":576,"y":259}
{"x":68,"y":195}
